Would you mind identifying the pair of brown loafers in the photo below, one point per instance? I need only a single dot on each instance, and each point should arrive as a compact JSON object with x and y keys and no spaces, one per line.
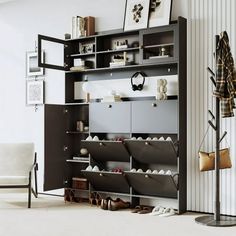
{"x":114,"y":205}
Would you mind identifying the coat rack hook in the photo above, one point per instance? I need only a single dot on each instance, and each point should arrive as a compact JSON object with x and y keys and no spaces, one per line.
{"x":213,"y":81}
{"x":224,"y":134}
{"x":210,"y":70}
{"x":211,"y":124}
{"x":213,"y":117}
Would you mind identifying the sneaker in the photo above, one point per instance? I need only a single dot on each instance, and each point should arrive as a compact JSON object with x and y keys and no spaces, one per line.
{"x":158,"y":211}
{"x":155,"y":172}
{"x":161,"y":172}
{"x":95,"y":138}
{"x":168,"y":212}
{"x":140,"y":170}
{"x":95,"y":168}
{"x":161,"y":139}
{"x":148,"y":171}
{"x":89,"y":138}
{"x":89,"y":168}
{"x":168,"y":139}
{"x":148,"y":139}
{"x":133,"y":170}
{"x":133,"y":138}
{"x":168,"y":172}
{"x":155,"y":139}
{"x":139,"y":138}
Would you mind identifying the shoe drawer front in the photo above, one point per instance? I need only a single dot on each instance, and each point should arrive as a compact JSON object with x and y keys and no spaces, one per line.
{"x":155,"y":116}
{"x":110,"y":117}
{"x":107,"y":181}
{"x":152,"y":184}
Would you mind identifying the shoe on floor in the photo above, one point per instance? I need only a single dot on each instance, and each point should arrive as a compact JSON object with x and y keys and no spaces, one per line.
{"x":146,"y":210}
{"x":89,"y":168}
{"x":95,"y":168}
{"x":168,"y":212}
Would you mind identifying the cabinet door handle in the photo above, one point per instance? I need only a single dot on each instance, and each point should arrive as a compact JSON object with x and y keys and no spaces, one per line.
{"x":154,"y":104}
{"x":109,"y":106}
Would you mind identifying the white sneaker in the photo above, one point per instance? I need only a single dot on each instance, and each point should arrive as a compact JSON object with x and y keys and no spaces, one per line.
{"x":95,"y":138}
{"x":158,"y":211}
{"x":140,"y":170}
{"x":161,"y":139}
{"x":168,"y":172}
{"x":155,"y":139}
{"x":95,"y":168}
{"x":168,"y":139}
{"x":133,"y":138}
{"x":148,"y":171}
{"x":89,"y":168}
{"x":161,"y":172}
{"x":133,"y":170}
{"x":89,"y":138}
{"x":168,"y":212}
{"x":155,"y":172}
{"x":148,"y":139}
{"x":155,"y":210}
{"x":139,"y":138}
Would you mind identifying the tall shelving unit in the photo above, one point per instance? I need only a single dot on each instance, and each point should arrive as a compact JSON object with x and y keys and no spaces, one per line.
{"x":63,"y":142}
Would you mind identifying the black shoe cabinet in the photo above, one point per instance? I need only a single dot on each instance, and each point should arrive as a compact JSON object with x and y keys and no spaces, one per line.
{"x":152,"y":118}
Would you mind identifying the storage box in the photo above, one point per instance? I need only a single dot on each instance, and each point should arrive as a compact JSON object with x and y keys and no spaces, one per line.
{"x":79,"y":183}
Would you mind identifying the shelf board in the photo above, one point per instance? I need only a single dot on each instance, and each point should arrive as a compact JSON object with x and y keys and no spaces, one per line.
{"x":77,"y":161}
{"x":136,"y":66}
{"x":77,"y":189}
{"x":118,"y":50}
{"x":113,"y":193}
{"x":77,"y":103}
{"x":159,"y":45}
{"x":77,"y":132}
{"x":81,"y":55}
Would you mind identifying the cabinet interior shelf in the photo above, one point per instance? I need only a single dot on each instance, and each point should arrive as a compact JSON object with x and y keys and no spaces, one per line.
{"x":77,"y":132}
{"x":159,"y":45}
{"x":79,"y":190}
{"x":77,"y":161}
{"x":81,"y":55}
{"x":136,"y":66}
{"x":118,"y":50}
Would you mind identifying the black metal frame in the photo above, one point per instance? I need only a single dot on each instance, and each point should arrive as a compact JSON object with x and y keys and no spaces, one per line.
{"x":30,"y":189}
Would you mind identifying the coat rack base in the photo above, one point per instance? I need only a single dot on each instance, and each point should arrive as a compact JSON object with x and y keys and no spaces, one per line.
{"x":225,"y":221}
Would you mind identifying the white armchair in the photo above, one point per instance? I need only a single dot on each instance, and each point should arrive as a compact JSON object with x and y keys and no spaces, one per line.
{"x":17,"y":166}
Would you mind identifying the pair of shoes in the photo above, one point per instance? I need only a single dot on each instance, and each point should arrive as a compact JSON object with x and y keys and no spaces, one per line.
{"x":162,"y":211}
{"x":90,"y":168}
{"x":95,"y":199}
{"x":117,"y":170}
{"x":142,"y":209}
{"x":118,"y":204}
{"x":89,"y":138}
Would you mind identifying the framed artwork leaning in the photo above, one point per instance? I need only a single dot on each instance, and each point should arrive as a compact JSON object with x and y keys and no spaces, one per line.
{"x":160,"y":13}
{"x":136,"y":14}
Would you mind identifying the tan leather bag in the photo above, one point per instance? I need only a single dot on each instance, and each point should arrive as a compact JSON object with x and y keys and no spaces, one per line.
{"x":207,"y":160}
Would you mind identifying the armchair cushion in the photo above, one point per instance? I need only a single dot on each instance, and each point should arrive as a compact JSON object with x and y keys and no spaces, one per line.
{"x":14,"y":180}
{"x":16,"y":159}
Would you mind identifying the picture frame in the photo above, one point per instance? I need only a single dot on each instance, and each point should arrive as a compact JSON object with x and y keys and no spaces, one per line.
{"x":34,"y":92}
{"x":32,"y":68}
{"x":160,"y":13}
{"x":136,"y":14}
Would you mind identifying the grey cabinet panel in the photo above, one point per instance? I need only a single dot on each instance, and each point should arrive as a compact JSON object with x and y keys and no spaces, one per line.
{"x":110,"y":117}
{"x":155,"y":116}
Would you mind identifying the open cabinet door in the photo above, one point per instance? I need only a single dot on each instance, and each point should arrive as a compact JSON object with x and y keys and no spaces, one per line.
{"x":55,"y":147}
{"x":61,"y":45}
